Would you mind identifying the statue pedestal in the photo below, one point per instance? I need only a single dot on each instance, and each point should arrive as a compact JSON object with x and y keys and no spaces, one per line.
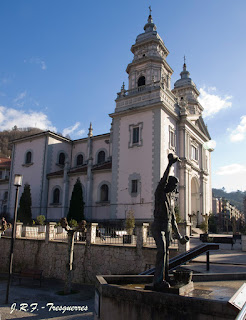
{"x":119,"y":295}
{"x":179,"y":289}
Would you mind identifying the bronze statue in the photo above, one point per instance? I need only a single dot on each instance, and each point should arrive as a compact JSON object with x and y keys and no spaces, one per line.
{"x":164,"y":223}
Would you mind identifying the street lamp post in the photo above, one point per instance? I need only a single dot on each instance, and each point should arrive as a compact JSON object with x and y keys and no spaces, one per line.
{"x":17,"y":183}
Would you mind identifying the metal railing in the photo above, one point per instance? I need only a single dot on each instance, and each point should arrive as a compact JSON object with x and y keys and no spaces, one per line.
{"x":114,"y":235}
{"x":151,"y":241}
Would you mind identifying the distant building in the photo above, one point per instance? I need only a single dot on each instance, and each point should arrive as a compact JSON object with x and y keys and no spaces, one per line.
{"x":120,"y":170}
{"x":229,"y":218}
{"x":216,"y":205}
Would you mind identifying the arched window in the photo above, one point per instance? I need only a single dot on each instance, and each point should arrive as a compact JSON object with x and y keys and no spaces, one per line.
{"x":56,"y":196}
{"x":80,"y":160}
{"x":141,"y":81}
{"x":61,"y":158}
{"x":28,"y":157}
{"x":104,"y":193}
{"x":101,"y":157}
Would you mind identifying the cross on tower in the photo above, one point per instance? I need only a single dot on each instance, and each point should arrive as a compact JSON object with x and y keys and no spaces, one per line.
{"x":184,"y":59}
{"x":150,"y":10}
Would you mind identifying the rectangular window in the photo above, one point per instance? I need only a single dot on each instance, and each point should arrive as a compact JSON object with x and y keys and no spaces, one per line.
{"x":1,"y":174}
{"x":194,"y":153}
{"x":172,"y":138}
{"x":134,"y":186}
{"x":135,"y":135}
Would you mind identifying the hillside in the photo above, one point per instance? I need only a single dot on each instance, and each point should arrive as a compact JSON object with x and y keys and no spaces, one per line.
{"x":8,"y":135}
{"x":235,"y":197}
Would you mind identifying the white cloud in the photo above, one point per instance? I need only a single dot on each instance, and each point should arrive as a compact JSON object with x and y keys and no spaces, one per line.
{"x":239,"y":133}
{"x":212,"y":102}
{"x":72,"y":130}
{"x":81,"y":132}
{"x":231,"y":169}
{"x":24,"y":99}
{"x":232,"y":177}
{"x":19,"y":100}
{"x":10,"y":117}
{"x":38,"y":61}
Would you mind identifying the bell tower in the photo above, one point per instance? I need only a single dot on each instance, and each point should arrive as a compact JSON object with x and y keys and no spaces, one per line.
{"x":187,"y":94}
{"x":149,"y":62}
{"x":144,"y":116}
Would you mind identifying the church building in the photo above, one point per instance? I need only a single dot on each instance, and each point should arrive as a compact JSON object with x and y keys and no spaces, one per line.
{"x":120,"y":170}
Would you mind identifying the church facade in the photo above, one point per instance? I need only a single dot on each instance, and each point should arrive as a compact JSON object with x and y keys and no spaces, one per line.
{"x":120,"y":170}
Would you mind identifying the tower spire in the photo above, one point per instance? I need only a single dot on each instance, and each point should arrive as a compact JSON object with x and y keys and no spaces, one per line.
{"x":150,"y":26}
{"x":184,"y":65}
{"x":90,"y":134}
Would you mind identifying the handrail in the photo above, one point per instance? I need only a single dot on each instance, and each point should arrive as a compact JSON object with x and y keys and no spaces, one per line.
{"x":187,"y":256}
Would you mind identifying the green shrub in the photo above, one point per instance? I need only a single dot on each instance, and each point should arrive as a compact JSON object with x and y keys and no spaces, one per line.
{"x":41,"y":220}
{"x":204,"y":227}
{"x":212,"y":223}
{"x":73,"y":223}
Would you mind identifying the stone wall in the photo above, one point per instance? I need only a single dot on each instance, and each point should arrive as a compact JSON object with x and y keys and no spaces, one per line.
{"x":89,"y":260}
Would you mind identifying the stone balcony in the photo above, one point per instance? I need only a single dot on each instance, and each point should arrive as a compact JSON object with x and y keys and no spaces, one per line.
{"x":145,"y":95}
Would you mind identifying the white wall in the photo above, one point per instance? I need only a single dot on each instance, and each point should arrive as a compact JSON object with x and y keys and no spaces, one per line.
{"x":32,"y":174}
{"x":135,"y":160}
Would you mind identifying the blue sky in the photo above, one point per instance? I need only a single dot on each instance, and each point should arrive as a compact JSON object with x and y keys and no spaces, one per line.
{"x":63,"y":61}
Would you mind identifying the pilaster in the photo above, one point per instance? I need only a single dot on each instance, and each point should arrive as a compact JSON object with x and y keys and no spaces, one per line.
{"x":89,"y":181}
{"x":65,"y":191}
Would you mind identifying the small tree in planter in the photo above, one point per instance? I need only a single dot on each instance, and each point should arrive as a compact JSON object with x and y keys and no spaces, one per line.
{"x":41,"y":223}
{"x":130,"y":225}
{"x":204,"y":227}
{"x":212,"y":223}
{"x":81,"y":227}
{"x":58,"y":227}
{"x":25,"y":211}
{"x":73,"y":223}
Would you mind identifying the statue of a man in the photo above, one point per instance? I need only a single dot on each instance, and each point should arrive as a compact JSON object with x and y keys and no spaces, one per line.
{"x":164,"y":223}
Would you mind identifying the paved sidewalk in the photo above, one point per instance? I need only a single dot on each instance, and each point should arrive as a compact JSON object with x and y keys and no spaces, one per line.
{"x":224,"y":260}
{"x":44,"y":303}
